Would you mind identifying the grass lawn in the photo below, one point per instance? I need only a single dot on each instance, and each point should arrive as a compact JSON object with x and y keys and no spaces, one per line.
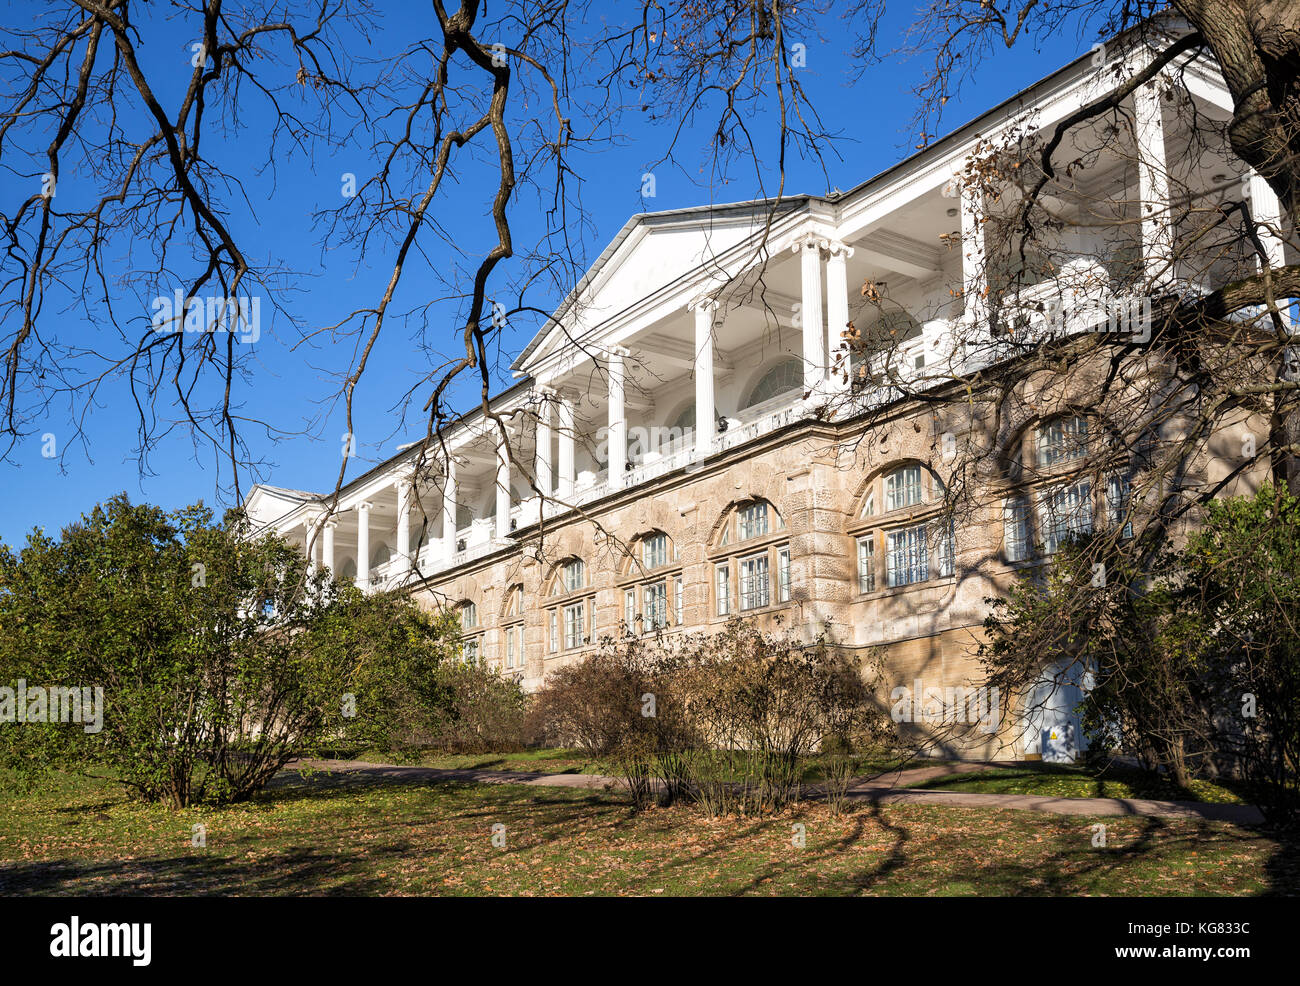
{"x":358,"y":836}
{"x":1064,"y":781}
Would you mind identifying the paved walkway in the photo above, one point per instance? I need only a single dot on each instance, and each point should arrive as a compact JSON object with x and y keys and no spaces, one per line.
{"x":888,"y":788}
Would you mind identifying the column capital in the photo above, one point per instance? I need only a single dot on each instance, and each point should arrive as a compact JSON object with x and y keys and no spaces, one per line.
{"x":366,"y":505}
{"x":620,"y":351}
{"x":838,"y":248}
{"x":809,"y":242}
{"x":703,"y":303}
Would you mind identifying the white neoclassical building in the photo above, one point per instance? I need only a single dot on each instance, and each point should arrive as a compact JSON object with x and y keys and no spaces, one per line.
{"x":689,"y":440}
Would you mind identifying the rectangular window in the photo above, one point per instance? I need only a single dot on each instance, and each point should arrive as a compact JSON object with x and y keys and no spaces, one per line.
{"x":654,"y":551}
{"x":554,"y":637}
{"x":722,"y":588}
{"x":754,"y":587}
{"x":947,"y":551}
{"x":654,"y":606}
{"x":510,"y":647}
{"x":903,"y":487}
{"x":1063,"y":513}
{"x":629,"y":608}
{"x":783,"y":575}
{"x":906,"y":558}
{"x":753,"y":521}
{"x":468,"y":616}
{"x":867,"y":563}
{"x":470,"y":650}
{"x":1119,"y":498}
{"x":677,"y":601}
{"x":574,"y":625}
{"x":1017,"y":538}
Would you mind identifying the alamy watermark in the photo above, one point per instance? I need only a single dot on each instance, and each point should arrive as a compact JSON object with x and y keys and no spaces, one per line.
{"x":53,"y":704}
{"x":238,"y":316}
{"x":955,"y":704}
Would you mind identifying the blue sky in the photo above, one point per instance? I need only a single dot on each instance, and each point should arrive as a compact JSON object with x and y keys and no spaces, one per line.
{"x":291,"y":386}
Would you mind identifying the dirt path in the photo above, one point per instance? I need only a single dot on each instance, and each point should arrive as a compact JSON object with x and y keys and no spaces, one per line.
{"x":883,"y":788}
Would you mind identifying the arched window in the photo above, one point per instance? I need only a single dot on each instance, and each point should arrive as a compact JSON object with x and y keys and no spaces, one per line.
{"x":571,"y":618}
{"x":652,"y":587}
{"x":783,"y":378}
{"x":471,"y":639}
{"x":1062,"y":439}
{"x":751,"y":563}
{"x":684,"y":422}
{"x":904,"y":536}
{"x":570,"y":576}
{"x":512,"y":630}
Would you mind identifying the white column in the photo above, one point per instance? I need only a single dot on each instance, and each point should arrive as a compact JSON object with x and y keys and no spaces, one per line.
{"x":503,"y":486}
{"x":567,"y":438}
{"x":544,"y":442}
{"x":974,"y":268}
{"x":837,"y":314}
{"x":363,"y":545}
{"x":403,"y":484}
{"x":704,"y":407}
{"x":617,"y":443}
{"x":1266,"y":212}
{"x":327,"y":547}
{"x":1153,"y":183}
{"x":449,"y":510}
{"x":810,"y":314}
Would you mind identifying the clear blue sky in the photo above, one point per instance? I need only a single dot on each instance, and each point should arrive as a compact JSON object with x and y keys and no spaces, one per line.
{"x":288,"y":388}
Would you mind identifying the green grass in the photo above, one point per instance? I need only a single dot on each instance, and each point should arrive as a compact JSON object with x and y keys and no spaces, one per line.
{"x":358,"y":836}
{"x":1064,"y":781}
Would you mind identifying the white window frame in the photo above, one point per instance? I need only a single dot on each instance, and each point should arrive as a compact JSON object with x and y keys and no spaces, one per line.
{"x":654,"y":551}
{"x":752,"y":521}
{"x":783,"y":574}
{"x":1064,"y":512}
{"x":1061,"y":440}
{"x":752,"y":590}
{"x":722,"y":588}
{"x":1017,"y":529}
{"x":654,"y":606}
{"x":575,"y":625}
{"x":907,"y":560}
{"x":903,"y":487}
{"x":867,"y":563}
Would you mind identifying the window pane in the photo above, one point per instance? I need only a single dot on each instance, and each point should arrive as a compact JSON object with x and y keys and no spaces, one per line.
{"x":754,"y":588}
{"x":629,"y":608}
{"x":1063,"y":513}
{"x":947,"y":551}
{"x":906,"y":559}
{"x":654,"y":611}
{"x":510,"y":647}
{"x":654,"y":551}
{"x":677,"y":601}
{"x":1015,"y":528}
{"x":554,"y":633}
{"x":867,"y":564}
{"x":1119,"y":497}
{"x":574,"y":624}
{"x":573,"y":576}
{"x":903,"y":487}
{"x":753,"y":521}
{"x":722,"y":588}
{"x":783,"y":575}
{"x":1062,"y":440}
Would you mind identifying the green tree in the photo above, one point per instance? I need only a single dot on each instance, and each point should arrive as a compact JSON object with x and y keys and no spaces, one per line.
{"x":218,"y":657}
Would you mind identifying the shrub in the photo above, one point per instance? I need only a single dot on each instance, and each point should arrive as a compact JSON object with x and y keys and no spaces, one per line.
{"x":728,"y":719}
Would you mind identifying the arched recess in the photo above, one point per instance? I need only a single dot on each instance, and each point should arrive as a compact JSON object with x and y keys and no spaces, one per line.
{"x":741,"y":520}
{"x":783,"y":377}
